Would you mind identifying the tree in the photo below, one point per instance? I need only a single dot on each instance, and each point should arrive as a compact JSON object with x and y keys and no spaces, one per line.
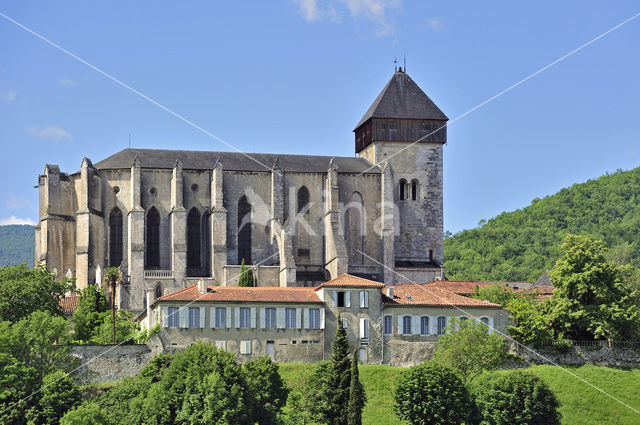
{"x":468,"y":348}
{"x":592,"y":298}
{"x":357,"y":395}
{"x":338,"y":381}
{"x":24,"y":290}
{"x":88,"y":315}
{"x":295,"y":412}
{"x":432,"y":394}
{"x":17,"y":383}
{"x":86,"y":414}
{"x":515,"y":398}
{"x":113,"y":277}
{"x":59,"y":394}
{"x":267,"y":388}
{"x":125,"y":328}
{"x":531,"y":319}
{"x":246,"y":275}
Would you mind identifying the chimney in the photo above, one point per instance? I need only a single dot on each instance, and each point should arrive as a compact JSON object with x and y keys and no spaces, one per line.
{"x":202,"y":287}
{"x":390,"y":292}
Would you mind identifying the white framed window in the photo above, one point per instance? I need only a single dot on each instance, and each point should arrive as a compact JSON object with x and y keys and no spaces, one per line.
{"x":221,"y":345}
{"x":314,"y":318}
{"x":424,"y":325}
{"x":290,"y":318}
{"x":173,"y":317}
{"x":406,"y":325}
{"x":364,"y":328}
{"x":270,"y":318}
{"x":221,"y":317}
{"x":194,"y":317}
{"x":245,"y":317}
{"x":388,"y":325}
{"x":364,"y":299}
{"x":245,"y":347}
{"x":442,"y":323}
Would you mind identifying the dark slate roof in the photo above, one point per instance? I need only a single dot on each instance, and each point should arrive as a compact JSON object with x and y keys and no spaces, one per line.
{"x":401,"y":98}
{"x":544,"y":280}
{"x":233,"y":161}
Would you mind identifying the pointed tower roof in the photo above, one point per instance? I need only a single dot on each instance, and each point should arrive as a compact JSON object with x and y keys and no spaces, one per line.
{"x":401,"y":98}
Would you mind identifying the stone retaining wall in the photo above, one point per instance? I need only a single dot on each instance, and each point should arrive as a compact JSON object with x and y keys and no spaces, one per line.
{"x":577,"y":356}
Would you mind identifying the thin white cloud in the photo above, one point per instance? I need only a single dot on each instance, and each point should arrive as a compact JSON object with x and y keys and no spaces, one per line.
{"x":49,"y":132}
{"x":372,"y":10}
{"x":9,"y":96}
{"x":15,"y":202}
{"x":436,"y":24}
{"x":15,"y":220}
{"x":67,"y":82}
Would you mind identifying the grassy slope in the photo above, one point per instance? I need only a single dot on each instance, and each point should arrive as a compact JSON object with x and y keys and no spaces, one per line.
{"x":17,"y":245}
{"x":581,"y":404}
{"x":521,"y":244}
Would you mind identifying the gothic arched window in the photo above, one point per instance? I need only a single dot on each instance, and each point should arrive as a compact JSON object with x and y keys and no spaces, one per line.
{"x":193,"y":238}
{"x":158,"y":291}
{"x":115,"y":237}
{"x":415,"y":188}
{"x":153,"y":238}
{"x":303,"y":240}
{"x":244,"y":230}
{"x":303,"y":198}
{"x":403,"y":190}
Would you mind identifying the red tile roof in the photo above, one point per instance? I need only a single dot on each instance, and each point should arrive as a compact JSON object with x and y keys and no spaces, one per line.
{"x":468,"y":287}
{"x":431,"y":295}
{"x":243,"y":294}
{"x":68,"y":304}
{"x":347,"y":280}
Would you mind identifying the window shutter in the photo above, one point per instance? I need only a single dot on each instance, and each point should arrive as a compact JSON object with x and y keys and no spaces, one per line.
{"x":400,"y":325}
{"x":490,"y":325}
{"x":334,"y":294}
{"x":415,"y":325}
{"x":263,"y":314}
{"x":227,"y":317}
{"x":212,"y":317}
{"x":202,"y":316}
{"x":433,"y":325}
{"x":363,"y":328}
{"x":306,"y":318}
{"x":253,"y":317}
{"x":237,"y":309}
{"x":298,"y":318}
{"x":366,"y":299}
{"x":362,"y":299}
{"x":321,"y":318}
{"x":347,"y":299}
{"x":183,"y":316}
{"x":280,"y":318}
{"x":165,"y":317}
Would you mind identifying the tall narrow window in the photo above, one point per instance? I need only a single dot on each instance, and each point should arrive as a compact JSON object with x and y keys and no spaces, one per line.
{"x":193,"y":238}
{"x":302,"y":227}
{"x":290,"y":318}
{"x":402,"y":190}
{"x":115,"y":237}
{"x":314,"y":318}
{"x":355,"y":228}
{"x":424,"y":325}
{"x":442,"y":323}
{"x":270,"y":318}
{"x":153,"y":238}
{"x":388,"y":325}
{"x":415,"y":187}
{"x":244,"y":230}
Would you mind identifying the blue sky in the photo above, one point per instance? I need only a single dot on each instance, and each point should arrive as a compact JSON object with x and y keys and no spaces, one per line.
{"x":296,"y":76}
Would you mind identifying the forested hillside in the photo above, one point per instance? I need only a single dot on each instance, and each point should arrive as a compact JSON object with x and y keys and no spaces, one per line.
{"x":17,"y":244}
{"x":521,"y":244}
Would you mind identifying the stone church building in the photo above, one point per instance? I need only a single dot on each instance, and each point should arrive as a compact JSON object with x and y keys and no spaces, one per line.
{"x":170,"y":218}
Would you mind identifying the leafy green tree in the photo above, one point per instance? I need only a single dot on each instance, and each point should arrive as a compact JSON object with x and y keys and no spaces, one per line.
{"x":357,"y":395}
{"x":125,"y":328}
{"x":313,"y":394}
{"x":24,"y":290}
{"x":515,"y":398}
{"x":86,"y":414}
{"x":295,"y":411}
{"x":88,"y":315}
{"x":469,"y":349}
{"x":532,"y":323}
{"x":246,"y":275}
{"x":338,"y":381}
{"x":592,"y":298}
{"x":59,"y":394}
{"x":432,"y":394}
{"x":268,"y":390}
{"x":17,"y":383}
{"x":40,"y":341}
{"x":496,"y":294}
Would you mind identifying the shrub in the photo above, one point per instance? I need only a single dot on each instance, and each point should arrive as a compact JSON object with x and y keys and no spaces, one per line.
{"x":267,"y":388}
{"x":515,"y":398}
{"x":431,"y":393}
{"x":86,"y":414}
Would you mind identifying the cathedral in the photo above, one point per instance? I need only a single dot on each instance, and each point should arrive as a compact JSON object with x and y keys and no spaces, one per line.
{"x":171,"y":218}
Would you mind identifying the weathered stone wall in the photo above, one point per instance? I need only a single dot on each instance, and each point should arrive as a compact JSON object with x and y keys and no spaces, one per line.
{"x":599,"y":356}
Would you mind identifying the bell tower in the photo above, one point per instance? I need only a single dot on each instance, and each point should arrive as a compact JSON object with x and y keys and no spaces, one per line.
{"x":405,"y":131}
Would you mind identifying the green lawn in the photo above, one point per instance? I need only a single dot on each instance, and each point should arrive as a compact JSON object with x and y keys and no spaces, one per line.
{"x":581,"y":403}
